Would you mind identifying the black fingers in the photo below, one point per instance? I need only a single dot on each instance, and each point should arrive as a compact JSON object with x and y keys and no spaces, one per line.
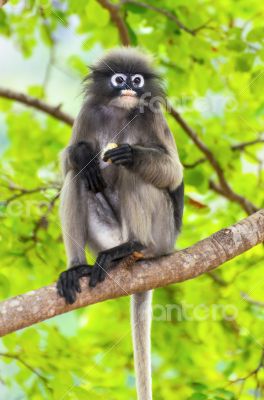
{"x":121,"y":155}
{"x":93,"y":180}
{"x":68,"y":284}
{"x":86,"y":162}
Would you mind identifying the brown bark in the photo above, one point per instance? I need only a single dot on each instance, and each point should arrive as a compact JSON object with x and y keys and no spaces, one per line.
{"x":204,"y":256}
{"x":3,"y":2}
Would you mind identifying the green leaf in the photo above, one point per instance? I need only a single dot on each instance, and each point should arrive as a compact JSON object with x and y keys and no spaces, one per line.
{"x":132,"y":35}
{"x":134,"y":8}
{"x":244,"y":62}
{"x":198,"y":396}
{"x":255,"y":35}
{"x":236,"y":45}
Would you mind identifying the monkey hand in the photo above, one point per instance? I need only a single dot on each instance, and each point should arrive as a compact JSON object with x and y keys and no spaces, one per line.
{"x":68,"y":284}
{"x":92,"y":177}
{"x":121,"y":155}
{"x":86,"y":163}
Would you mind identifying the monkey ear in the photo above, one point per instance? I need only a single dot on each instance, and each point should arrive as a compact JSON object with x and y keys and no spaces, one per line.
{"x":91,"y":67}
{"x":91,"y":74}
{"x":95,"y":71}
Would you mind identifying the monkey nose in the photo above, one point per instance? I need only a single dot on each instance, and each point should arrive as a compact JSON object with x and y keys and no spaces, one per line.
{"x":128,"y":92}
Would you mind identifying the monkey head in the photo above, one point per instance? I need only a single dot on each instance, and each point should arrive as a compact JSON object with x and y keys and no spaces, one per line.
{"x":123,"y":78}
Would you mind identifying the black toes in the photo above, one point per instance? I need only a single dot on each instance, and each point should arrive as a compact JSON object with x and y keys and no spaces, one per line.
{"x":94,"y":180}
{"x":59,"y":286}
{"x":68,"y":284}
{"x":71,"y":287}
{"x":94,"y":276}
{"x":65,"y":286}
{"x":100,"y":268}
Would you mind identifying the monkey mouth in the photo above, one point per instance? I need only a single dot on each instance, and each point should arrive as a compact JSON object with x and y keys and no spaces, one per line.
{"x":129,"y":93}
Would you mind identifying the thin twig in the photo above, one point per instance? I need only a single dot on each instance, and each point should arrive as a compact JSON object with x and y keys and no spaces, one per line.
{"x":241,"y":146}
{"x":234,"y":197}
{"x":114,"y":12}
{"x":51,"y":60}
{"x":254,"y":373}
{"x":24,"y":192}
{"x":38,"y":104}
{"x":248,"y":299}
{"x":43,"y":221}
{"x":223,"y":188}
{"x":167,"y":14}
{"x":217,"y":278}
{"x":16,"y":357}
{"x":195,"y":163}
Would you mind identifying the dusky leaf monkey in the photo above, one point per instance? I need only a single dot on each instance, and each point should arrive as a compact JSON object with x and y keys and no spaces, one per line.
{"x":131,"y":200}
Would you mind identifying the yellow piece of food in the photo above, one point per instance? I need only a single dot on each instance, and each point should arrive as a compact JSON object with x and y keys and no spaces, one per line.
{"x":109,"y":146}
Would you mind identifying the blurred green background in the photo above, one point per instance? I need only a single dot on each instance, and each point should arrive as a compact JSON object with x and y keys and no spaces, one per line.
{"x":207,"y":333}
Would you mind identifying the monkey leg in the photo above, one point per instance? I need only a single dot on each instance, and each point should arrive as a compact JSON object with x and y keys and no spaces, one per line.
{"x":106,"y":258}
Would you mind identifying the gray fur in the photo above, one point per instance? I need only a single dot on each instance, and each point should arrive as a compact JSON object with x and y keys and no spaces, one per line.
{"x":141,"y":327}
{"x":136,"y":203}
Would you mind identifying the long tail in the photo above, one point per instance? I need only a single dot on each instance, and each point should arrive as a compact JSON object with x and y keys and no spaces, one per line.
{"x":141,"y":329}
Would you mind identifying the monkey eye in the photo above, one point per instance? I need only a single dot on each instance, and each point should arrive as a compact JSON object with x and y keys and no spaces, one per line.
{"x":118,"y":80}
{"x":138,"y":81}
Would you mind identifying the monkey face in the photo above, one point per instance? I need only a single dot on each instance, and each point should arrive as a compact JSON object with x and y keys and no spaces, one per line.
{"x":123,"y":78}
{"x":127,"y":89}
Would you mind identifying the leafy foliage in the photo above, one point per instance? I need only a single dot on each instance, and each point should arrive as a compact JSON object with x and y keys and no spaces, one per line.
{"x":207,"y":340}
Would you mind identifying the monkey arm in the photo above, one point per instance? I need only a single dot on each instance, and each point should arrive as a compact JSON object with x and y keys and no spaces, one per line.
{"x":157,"y":166}
{"x":154,"y":164}
{"x":81,"y":158}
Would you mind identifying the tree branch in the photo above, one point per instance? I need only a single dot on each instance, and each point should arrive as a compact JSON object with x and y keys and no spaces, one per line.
{"x":223,"y":188}
{"x":3,"y":2}
{"x":23,"y":192}
{"x":206,"y":255}
{"x":166,"y":14}
{"x":40,"y":105}
{"x":114,"y":12}
{"x":195,"y":163}
{"x":17,"y":357}
{"x":234,"y":197}
{"x":243,"y":145}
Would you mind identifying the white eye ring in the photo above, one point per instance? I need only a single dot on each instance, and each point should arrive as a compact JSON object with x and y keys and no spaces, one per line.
{"x":116,"y":77}
{"x":140,"y":83}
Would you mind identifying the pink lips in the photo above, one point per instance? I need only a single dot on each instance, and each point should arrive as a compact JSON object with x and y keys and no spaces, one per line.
{"x":130,"y":93}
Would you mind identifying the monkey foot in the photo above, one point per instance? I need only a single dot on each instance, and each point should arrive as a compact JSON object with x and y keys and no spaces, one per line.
{"x":68,"y":284}
{"x":106,"y":258}
{"x":100,"y":268}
